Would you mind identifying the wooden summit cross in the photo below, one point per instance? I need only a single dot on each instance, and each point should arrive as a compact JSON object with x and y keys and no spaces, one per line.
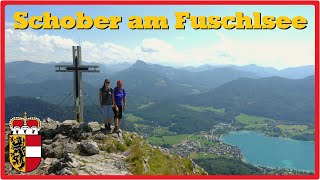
{"x":77,"y":70}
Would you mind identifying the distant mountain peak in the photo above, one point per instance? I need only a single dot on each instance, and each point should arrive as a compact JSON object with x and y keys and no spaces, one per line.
{"x":310,"y":77}
{"x":140,"y":62}
{"x":251,"y":65}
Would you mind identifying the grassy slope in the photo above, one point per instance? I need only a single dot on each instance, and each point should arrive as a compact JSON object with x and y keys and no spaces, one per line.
{"x":143,"y":159}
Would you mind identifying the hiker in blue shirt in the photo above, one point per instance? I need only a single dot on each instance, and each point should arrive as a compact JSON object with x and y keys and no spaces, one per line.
{"x":120,"y":101}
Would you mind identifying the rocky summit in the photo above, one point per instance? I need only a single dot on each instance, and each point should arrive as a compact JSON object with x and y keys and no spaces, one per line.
{"x":70,"y":148}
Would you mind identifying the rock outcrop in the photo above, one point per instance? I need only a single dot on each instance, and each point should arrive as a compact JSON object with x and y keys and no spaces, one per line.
{"x":69,"y":148}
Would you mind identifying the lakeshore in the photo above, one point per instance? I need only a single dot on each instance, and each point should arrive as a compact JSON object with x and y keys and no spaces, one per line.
{"x":274,"y":152}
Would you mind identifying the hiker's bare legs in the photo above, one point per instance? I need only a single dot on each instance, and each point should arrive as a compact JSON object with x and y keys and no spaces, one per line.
{"x":116,"y":122}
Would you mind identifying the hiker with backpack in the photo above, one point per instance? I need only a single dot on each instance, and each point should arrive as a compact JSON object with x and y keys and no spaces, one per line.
{"x":120,"y":105}
{"x":107,"y":103}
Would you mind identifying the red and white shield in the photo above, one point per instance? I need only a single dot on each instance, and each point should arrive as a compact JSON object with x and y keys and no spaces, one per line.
{"x":25,"y":143}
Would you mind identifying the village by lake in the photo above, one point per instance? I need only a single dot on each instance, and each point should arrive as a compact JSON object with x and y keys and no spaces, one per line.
{"x":276,"y":152}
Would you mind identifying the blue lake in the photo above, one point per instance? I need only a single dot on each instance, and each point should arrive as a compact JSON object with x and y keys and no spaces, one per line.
{"x":259,"y":149}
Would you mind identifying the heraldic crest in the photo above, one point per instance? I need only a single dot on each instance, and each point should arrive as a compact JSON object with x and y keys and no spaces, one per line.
{"x":25,"y":143}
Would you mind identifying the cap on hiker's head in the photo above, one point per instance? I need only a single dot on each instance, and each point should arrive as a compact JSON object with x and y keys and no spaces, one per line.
{"x":119,"y":82}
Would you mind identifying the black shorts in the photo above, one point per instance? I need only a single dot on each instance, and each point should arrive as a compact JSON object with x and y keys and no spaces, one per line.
{"x":118,"y":114}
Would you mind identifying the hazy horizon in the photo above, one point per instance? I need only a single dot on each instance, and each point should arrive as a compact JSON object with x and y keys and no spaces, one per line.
{"x":162,"y":64}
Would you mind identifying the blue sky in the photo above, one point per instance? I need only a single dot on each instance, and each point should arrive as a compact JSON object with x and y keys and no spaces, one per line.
{"x":276,"y":48}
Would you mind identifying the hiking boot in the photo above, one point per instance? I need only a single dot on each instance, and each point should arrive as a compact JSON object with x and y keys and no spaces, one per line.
{"x":107,"y":127}
{"x":116,"y":130}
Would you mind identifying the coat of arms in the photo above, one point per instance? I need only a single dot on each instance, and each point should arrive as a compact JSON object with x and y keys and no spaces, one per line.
{"x":25,"y":143}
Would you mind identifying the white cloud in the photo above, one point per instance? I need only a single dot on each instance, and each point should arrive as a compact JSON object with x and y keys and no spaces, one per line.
{"x":42,"y":48}
{"x":26,"y":45}
{"x":9,"y":24}
{"x":9,"y":31}
{"x":267,"y":52}
{"x":180,"y":37}
{"x":23,"y":49}
{"x":155,"y":45}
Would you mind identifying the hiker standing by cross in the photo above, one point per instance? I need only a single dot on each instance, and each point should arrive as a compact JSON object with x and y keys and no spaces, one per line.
{"x":77,"y":70}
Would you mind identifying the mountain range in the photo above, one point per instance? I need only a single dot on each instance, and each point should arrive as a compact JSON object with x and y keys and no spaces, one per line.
{"x":272,"y":97}
{"x":163,"y":94}
{"x":155,"y":81}
{"x":32,"y":72}
{"x":24,"y":72}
